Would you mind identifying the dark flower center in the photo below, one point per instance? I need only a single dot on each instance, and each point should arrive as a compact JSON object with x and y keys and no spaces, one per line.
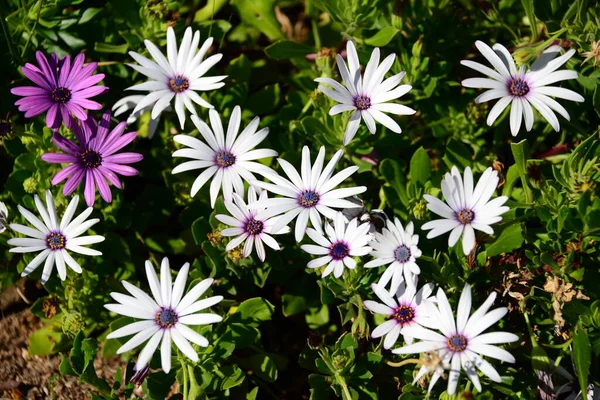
{"x":309,"y":198}
{"x":465,"y":216}
{"x":404,"y":314}
{"x":362,"y":102}
{"x":91,"y":159}
{"x":339,"y":250}
{"x":457,"y":343}
{"x":56,"y":241}
{"x":254,"y":227}
{"x":402,"y":254}
{"x":166,"y":318}
{"x":60,"y":95}
{"x":518,"y":87}
{"x":225,"y":159}
{"x":179,"y":84}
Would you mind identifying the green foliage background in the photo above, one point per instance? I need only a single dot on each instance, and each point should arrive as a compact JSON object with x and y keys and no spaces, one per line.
{"x":288,"y":333}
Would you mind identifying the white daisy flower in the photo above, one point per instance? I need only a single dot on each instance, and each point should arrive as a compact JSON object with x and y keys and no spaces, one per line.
{"x":522,"y":88}
{"x":398,"y":248}
{"x":165,"y":317}
{"x":249,"y":226}
{"x":227,"y":159}
{"x":466,"y":209}
{"x":434,"y":365}
{"x":343,"y":241}
{"x":462,"y":343}
{"x":129,"y":102}
{"x":308,"y":194}
{"x":367,"y":96}
{"x":3,"y":217}
{"x":178,"y":75}
{"x":52,"y":238}
{"x":411,"y":308}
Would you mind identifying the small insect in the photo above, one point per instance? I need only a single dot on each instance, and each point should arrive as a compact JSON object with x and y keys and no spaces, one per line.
{"x":376,"y":218}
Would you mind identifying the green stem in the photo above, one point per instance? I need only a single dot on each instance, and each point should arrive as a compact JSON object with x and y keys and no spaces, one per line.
{"x":315,"y":29}
{"x":342,"y":382}
{"x":185,"y":382}
{"x":37,"y":19}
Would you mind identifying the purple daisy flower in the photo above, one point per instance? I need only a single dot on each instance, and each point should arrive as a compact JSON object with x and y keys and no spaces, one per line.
{"x":94,"y":158}
{"x":62,"y":89}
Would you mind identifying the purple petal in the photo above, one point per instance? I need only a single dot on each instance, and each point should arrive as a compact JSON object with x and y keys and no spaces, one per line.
{"x":87,"y":88}
{"x":111,"y":176}
{"x":37,"y":110}
{"x":77,"y":64}
{"x":48,"y":72}
{"x":65,"y":173}
{"x":103,"y":128}
{"x":76,"y":110}
{"x":65,"y":145}
{"x":102,"y":186}
{"x":124,"y":170}
{"x":83,"y":73}
{"x":36,"y":76}
{"x":34,"y":101}
{"x":124,"y":158}
{"x":29,"y":91}
{"x":51,"y":115}
{"x":90,"y":189}
{"x":74,"y":180}
{"x":59,"y":158}
{"x":89,"y":104}
{"x":112,"y":146}
{"x":65,"y":70}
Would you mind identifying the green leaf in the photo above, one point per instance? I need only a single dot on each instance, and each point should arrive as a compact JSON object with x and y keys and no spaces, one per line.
{"x":383,"y":37}
{"x":111,"y":48}
{"x":65,"y":366}
{"x":256,"y":309}
{"x":200,"y":228}
{"x":528,"y":5}
{"x":263,"y":366}
{"x":520,"y":151}
{"x":582,"y":357}
{"x":292,"y":304}
{"x":420,"y":166}
{"x":47,"y":340}
{"x":261,"y":15}
{"x":510,"y":239}
{"x":457,"y":153}
{"x":286,"y":49}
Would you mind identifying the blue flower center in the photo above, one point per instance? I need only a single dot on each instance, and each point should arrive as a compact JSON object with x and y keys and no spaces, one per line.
{"x":179,"y":84}
{"x":339,"y":250}
{"x":465,"y":216}
{"x":166,"y":318}
{"x":362,"y":102}
{"x":60,"y":95}
{"x":308,"y":198}
{"x":254,"y":227}
{"x":56,"y":241}
{"x":402,"y":254}
{"x":457,"y":343}
{"x":225,"y":159}
{"x":518,"y":87}
{"x":91,"y":159}
{"x":404,"y":314}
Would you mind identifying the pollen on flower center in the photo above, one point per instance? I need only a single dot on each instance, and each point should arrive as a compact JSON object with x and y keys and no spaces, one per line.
{"x":465,"y":216}
{"x":362,"y":102}
{"x":225,"y":159}
{"x":404,"y":314}
{"x":308,"y":198}
{"x":402,"y":253}
{"x":91,"y":158}
{"x":60,"y":95}
{"x":254,"y":226}
{"x":56,"y":241}
{"x":457,"y":343}
{"x":166,"y":318}
{"x":339,"y":250}
{"x":518,"y":87}
{"x":179,"y":84}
